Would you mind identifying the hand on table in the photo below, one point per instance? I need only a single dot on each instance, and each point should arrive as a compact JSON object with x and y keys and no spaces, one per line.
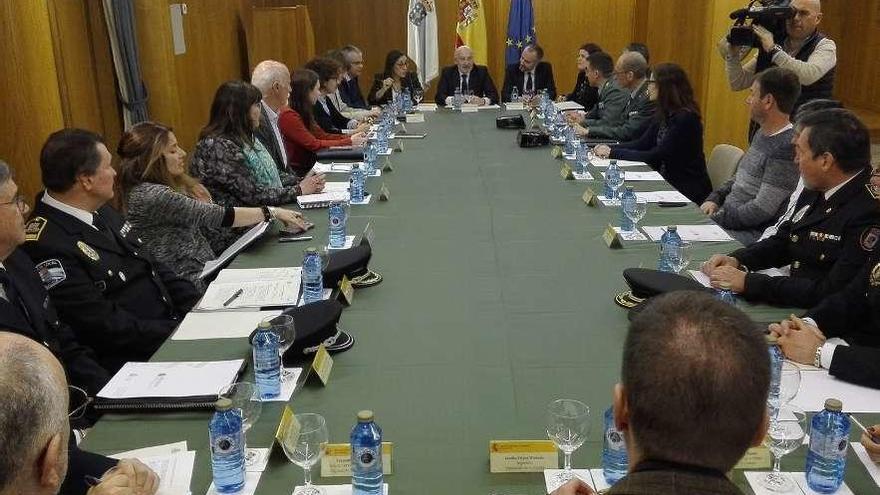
{"x":729,"y":277}
{"x":709,"y":208}
{"x":358,"y":139}
{"x":312,"y":183}
{"x":718,"y":260}
{"x":870,"y":445}
{"x":602,"y":151}
{"x":798,"y":339}
{"x":574,"y":487}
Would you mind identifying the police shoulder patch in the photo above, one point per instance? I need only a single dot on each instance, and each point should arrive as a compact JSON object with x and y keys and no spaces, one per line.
{"x":52,"y":273}
{"x":34,"y":228}
{"x":869,"y":238}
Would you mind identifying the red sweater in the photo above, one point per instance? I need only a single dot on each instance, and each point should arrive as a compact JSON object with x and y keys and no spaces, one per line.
{"x":302,"y":143}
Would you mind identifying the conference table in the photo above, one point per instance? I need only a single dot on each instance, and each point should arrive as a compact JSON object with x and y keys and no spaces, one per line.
{"x":498,"y":297}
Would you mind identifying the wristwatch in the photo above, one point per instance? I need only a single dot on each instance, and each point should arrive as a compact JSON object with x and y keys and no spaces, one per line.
{"x":773,"y":51}
{"x":268,"y":214}
{"x":817,"y":360}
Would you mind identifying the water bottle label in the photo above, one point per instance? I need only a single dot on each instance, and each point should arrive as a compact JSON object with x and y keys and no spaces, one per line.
{"x":615,"y":439}
{"x":224,"y":445}
{"x":829,"y":447}
{"x":366,"y":457}
{"x":335,"y":221}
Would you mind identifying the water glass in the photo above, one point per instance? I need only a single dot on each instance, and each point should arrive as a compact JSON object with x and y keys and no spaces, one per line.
{"x":568,"y":424}
{"x":636,"y":211}
{"x":284,"y":326}
{"x":680,"y":256}
{"x":784,"y":435}
{"x":306,"y":448}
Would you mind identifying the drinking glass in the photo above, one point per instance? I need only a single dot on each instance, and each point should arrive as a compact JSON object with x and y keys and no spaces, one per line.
{"x":245,"y":397}
{"x":680,"y":257}
{"x":283,"y":325}
{"x":306,"y":448}
{"x":568,"y":423}
{"x":418,"y":95}
{"x":789,"y":382}
{"x":784,"y":435}
{"x":615,"y":182}
{"x":636,"y":211}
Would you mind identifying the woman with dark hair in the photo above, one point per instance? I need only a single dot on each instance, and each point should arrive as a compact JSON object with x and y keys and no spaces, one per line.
{"x":391,"y":83}
{"x":583,"y":93}
{"x":673,"y":143}
{"x":326,"y":114}
{"x":303,"y":137}
{"x":168,"y":207}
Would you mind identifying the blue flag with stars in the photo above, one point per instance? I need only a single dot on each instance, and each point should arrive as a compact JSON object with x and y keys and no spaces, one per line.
{"x":520,"y":29}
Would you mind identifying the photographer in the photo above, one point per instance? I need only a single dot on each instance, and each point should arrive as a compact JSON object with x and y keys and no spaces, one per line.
{"x":802,"y":49}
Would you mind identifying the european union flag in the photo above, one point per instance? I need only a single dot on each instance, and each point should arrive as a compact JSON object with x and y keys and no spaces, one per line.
{"x":520,"y":29}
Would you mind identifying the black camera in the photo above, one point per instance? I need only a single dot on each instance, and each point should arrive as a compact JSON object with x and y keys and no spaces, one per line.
{"x":770,"y":14}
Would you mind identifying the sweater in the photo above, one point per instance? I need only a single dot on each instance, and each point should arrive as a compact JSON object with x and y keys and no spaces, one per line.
{"x":302,"y":143}
{"x":756,"y":195}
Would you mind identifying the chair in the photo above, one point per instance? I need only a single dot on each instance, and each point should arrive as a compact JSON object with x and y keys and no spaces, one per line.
{"x":722,"y":163}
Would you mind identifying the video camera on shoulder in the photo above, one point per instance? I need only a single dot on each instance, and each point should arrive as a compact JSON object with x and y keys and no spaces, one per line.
{"x":771,"y":14}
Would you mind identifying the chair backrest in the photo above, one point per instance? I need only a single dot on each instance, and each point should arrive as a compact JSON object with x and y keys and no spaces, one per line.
{"x":722,"y":163}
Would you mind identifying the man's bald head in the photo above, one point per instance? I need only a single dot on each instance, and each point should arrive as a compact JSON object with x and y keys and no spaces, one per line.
{"x":808,"y":15}
{"x":33,"y":416}
{"x":464,"y":59}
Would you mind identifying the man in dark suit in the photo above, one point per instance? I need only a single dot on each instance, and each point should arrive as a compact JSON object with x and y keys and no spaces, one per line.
{"x":688,"y":352}
{"x":835,"y":227}
{"x":467,"y":77}
{"x":38,"y":452}
{"x":349,"y":86}
{"x":530,"y":75}
{"x":116,"y":297}
{"x":630,"y":72}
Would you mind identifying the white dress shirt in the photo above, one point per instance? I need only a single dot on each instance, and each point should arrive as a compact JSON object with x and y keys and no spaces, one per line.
{"x":273,"y":122}
{"x":86,"y":216}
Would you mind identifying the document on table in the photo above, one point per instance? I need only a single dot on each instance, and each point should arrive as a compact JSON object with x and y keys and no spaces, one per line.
{"x":564,"y":106}
{"x":171,"y":379}
{"x":704,"y":279}
{"x":427,"y":107}
{"x":255,"y":288}
{"x":604,"y":162}
{"x":321,"y":199}
{"x":641,"y":176}
{"x":662,"y":196}
{"x":872,"y":467}
{"x":336,"y":489}
{"x":799,"y":479}
{"x":333,"y":167}
{"x":173,"y":463}
{"x":336,"y":187}
{"x":156,"y":450}
{"x":489,"y":107}
{"x":238,"y":246}
{"x":220,"y":324}
{"x":691,"y":233}
{"x":816,"y":386}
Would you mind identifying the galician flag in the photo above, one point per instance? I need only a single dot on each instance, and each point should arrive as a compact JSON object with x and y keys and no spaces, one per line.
{"x":422,"y":46}
{"x":471,"y":29}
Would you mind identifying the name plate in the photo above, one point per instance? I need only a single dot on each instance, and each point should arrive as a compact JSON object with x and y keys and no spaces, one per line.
{"x":755,"y":458}
{"x":336,"y":460}
{"x":289,"y":426}
{"x":321,"y":366}
{"x":415,"y":118}
{"x":369,"y":235}
{"x":566,"y":172}
{"x":384,"y":194}
{"x":469,"y":108}
{"x":515,"y":106}
{"x":556,"y":152}
{"x":386,"y":165}
{"x":590,"y":197}
{"x":346,"y":290}
{"x":612,"y":238}
{"x":522,"y":456}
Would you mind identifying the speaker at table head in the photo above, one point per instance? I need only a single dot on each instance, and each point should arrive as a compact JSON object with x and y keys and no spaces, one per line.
{"x":645,"y":283}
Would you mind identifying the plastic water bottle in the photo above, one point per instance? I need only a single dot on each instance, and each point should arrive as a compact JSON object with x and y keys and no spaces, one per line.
{"x":580,"y":157}
{"x":407,"y":104}
{"x":725,"y":294}
{"x":366,"y":456}
{"x":776,"y":360}
{"x":669,"y":241}
{"x":829,"y":439}
{"x":615,"y":461}
{"x":627,"y":202}
{"x":369,"y":157}
{"x":356,"y":183}
{"x":337,"y":224}
{"x":541,"y":107}
{"x":267,"y":361}
{"x":570,"y":139}
{"x":457,"y":100}
{"x":514,"y":95}
{"x":612,"y":173}
{"x":312,"y":277}
{"x":227,"y":447}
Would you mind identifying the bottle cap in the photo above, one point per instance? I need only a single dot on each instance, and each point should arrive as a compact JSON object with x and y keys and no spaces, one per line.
{"x":311,"y":250}
{"x":772,"y":339}
{"x":354,"y":166}
{"x":264,"y":324}
{"x":725,"y":285}
{"x":672,"y":228}
{"x":833,"y":405}
{"x":223,"y":404}
{"x":365,"y":416}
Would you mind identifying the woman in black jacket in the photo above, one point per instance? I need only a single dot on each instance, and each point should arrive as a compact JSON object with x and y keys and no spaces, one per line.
{"x":673,"y":144}
{"x":394,"y":80}
{"x":326,"y":114}
{"x":583,"y":93}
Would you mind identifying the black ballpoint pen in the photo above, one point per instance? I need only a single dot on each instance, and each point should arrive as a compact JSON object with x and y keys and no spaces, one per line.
{"x":233,"y":297}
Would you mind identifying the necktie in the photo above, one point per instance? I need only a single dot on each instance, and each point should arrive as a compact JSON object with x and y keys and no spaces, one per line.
{"x":464,"y":83}
{"x":7,"y":288}
{"x":530,"y":85}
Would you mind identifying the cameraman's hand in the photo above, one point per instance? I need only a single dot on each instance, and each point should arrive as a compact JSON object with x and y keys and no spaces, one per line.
{"x":766,"y":37}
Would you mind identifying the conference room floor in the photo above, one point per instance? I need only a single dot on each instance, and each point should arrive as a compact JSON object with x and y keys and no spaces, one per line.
{"x":497,"y":299}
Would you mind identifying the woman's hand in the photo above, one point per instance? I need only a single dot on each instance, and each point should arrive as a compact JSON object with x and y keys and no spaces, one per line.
{"x":291,"y":219}
{"x":312,"y":183}
{"x":602,"y":151}
{"x":358,"y":139}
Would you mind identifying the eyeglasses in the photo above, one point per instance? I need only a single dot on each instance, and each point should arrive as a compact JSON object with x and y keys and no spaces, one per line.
{"x":651,"y":81}
{"x":19,"y":203}
{"x":401,"y":64}
{"x":79,"y":402}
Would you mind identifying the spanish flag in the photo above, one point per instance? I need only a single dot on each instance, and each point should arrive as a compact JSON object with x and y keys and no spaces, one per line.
{"x":471,"y":29}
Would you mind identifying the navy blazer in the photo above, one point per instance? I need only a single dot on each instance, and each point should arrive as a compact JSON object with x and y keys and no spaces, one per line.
{"x":350,"y":91}
{"x":332,"y":122}
{"x":514,"y":78}
{"x":410,"y":82}
{"x":479,"y":81}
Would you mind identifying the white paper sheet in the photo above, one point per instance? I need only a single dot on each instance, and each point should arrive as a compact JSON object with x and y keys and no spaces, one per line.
{"x":640,"y":176}
{"x":662,"y":196}
{"x":334,"y":167}
{"x":599,"y":482}
{"x":872,"y":467}
{"x":288,"y":385}
{"x":604,"y":162}
{"x":175,"y":471}
{"x":691,"y":233}
{"x":630,"y":235}
{"x":156,"y":450}
{"x":307,"y":200}
{"x":220,"y":325}
{"x":704,"y":279}
{"x":171,"y":379}
{"x":514,"y":106}
{"x":490,"y":107}
{"x":337,"y":489}
{"x":564,"y":106}
{"x":582,"y":175}
{"x":336,"y":186}
{"x":251,"y":480}
{"x":239,"y":245}
{"x":816,"y":386}
{"x":427,"y":107}
{"x":551,"y":483}
{"x":261,"y":287}
{"x":257,"y":459}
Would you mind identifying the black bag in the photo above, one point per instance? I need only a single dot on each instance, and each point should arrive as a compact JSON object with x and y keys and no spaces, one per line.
{"x":510,"y":122}
{"x":532,"y":139}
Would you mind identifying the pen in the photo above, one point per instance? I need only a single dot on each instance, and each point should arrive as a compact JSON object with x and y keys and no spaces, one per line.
{"x":295,"y":239}
{"x":860,"y":425}
{"x":233,"y":297}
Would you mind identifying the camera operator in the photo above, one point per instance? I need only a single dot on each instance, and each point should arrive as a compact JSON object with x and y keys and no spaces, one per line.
{"x":802,"y":49}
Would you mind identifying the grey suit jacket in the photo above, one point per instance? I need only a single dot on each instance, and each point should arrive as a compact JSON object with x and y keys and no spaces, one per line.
{"x":673,"y":482}
{"x":267,"y":136}
{"x":637,"y":115}
{"x":609,"y":110}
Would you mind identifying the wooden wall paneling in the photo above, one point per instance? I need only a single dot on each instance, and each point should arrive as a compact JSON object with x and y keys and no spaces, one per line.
{"x":855,"y":26}
{"x":28,"y":89}
{"x":281,"y":33}
{"x":156,"y":51}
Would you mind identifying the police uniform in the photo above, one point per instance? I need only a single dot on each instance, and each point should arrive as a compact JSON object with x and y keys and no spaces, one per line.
{"x":826,"y":242}
{"x":118,"y":299}
{"x":853,"y":314}
{"x":25,"y":309}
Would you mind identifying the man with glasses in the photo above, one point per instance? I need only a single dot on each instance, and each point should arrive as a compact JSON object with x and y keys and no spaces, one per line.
{"x":609,"y":111}
{"x":25,"y":307}
{"x":631,"y":74}
{"x":530,"y":76}
{"x":38,"y":454}
{"x":471,"y":79}
{"x":349,"y":86}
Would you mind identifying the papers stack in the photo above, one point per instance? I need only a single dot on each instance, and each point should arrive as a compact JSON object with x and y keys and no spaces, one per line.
{"x":238,"y":246}
{"x":172,"y":462}
{"x":662,"y":196}
{"x":564,"y":106}
{"x":334,"y":167}
{"x":220,"y":325}
{"x":818,"y":385}
{"x":604,"y":162}
{"x":692,"y":233}
{"x":252,"y":288}
{"x":321,"y":200}
{"x":640,"y":176}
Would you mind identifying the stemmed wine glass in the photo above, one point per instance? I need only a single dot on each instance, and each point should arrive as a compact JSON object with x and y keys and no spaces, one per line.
{"x":568,"y":423}
{"x":635,"y":211}
{"x":784,"y":435}
{"x":283,"y":325}
{"x":306,"y":448}
{"x":680,"y":256}
{"x":417,"y":95}
{"x":245,"y":397}
{"x":615,"y":181}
